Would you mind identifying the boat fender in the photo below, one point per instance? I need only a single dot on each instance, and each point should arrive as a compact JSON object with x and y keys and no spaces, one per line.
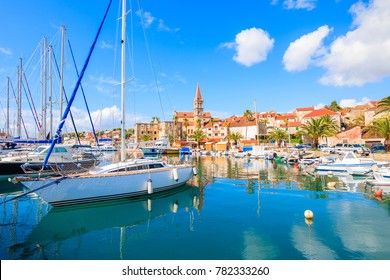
{"x":195,"y":171}
{"x":175,"y":174}
{"x":308,"y":214}
{"x":150,"y":186}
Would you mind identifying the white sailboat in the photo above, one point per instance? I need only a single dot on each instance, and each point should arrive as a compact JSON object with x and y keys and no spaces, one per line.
{"x":129,"y":177}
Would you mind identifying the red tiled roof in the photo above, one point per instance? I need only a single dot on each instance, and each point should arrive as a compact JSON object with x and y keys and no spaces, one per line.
{"x":305,"y":109}
{"x":320,"y":112}
{"x":361,"y":107}
{"x":185,"y":114}
{"x":285,"y":117}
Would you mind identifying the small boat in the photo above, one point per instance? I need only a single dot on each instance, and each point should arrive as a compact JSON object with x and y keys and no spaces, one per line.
{"x":64,"y":160}
{"x":159,"y":147}
{"x":349,"y":160}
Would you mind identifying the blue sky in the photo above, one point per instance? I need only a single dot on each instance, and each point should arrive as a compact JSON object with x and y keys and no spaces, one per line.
{"x":282,"y":53}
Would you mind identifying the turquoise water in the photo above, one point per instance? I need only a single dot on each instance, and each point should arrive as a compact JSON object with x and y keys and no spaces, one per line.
{"x":233,"y":209}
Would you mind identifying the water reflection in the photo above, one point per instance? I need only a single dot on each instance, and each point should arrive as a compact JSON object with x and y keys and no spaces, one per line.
{"x":62,"y":224}
{"x":264,"y":174}
{"x":233,"y":209}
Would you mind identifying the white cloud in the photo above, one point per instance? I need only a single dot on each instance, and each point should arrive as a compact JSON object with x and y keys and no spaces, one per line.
{"x":300,"y":4}
{"x":148,"y":21}
{"x":252,"y":46}
{"x":344,"y":103}
{"x":319,"y":106}
{"x":361,"y":56}
{"x":305,"y":50}
{"x":297,"y":4}
{"x":105,"y":45}
{"x":5,"y":51}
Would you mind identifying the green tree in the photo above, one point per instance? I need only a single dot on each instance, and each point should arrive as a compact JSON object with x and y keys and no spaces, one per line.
{"x":333,"y":106}
{"x":198,"y":136}
{"x":278,"y":135}
{"x":186,"y":123}
{"x":317,"y":128}
{"x":248,"y":116}
{"x":384,"y":105}
{"x":235,"y":137}
{"x":381,"y":128}
{"x":145,"y":137}
{"x":360,"y":120}
{"x":198,"y":123}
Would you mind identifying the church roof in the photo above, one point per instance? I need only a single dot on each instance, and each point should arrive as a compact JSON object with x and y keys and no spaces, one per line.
{"x":198,"y":94}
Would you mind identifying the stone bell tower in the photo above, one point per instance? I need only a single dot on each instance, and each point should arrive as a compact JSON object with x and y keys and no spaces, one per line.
{"x":198,"y":107}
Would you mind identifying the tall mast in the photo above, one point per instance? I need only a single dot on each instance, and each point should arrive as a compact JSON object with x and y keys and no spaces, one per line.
{"x":7,"y":116}
{"x":62,"y":70}
{"x":44,"y":88}
{"x":19,"y":116}
{"x":123,"y":73}
{"x":51,"y":88}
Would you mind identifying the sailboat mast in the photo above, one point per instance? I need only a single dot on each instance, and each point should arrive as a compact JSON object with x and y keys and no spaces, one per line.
{"x":123,"y":77}
{"x":51,"y":88}
{"x":44,"y":88}
{"x":62,"y":70}
{"x":19,"y":116}
{"x":7,"y":120}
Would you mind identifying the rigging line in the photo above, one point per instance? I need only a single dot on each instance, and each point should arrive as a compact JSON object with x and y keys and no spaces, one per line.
{"x":62,"y":122}
{"x":66,"y":98}
{"x":150,"y":59}
{"x":29,"y":104}
{"x":37,"y":189}
{"x":17,"y":103}
{"x":32,"y":100}
{"x":82,"y":90}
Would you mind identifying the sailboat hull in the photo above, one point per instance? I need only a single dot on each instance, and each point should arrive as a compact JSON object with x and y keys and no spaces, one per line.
{"x":99,"y":187}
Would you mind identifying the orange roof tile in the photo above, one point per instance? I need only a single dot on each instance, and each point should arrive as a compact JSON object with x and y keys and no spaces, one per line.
{"x":320,"y":112}
{"x":305,"y":109}
{"x":285,"y":117}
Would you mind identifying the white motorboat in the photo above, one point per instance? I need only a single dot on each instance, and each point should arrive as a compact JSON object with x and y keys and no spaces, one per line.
{"x":349,"y":161}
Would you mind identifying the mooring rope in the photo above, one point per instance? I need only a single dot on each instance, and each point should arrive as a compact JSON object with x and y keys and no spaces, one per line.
{"x":40,"y":188}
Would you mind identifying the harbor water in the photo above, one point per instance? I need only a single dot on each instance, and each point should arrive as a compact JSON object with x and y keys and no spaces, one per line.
{"x":234,"y":209}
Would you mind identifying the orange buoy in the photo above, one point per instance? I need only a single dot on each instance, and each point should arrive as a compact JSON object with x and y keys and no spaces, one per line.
{"x":378,"y":193}
{"x":296,"y":165}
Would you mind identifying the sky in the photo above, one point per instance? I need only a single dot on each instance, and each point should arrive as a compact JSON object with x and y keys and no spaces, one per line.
{"x":283,"y":54}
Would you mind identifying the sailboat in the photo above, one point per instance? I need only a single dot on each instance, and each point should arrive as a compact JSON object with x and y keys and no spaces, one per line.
{"x":127,"y":178}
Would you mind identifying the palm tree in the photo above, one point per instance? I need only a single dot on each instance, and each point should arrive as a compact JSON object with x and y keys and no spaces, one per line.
{"x":380,"y":127}
{"x":197,"y":136}
{"x":384,"y":105}
{"x":186,"y":123}
{"x":198,"y":123}
{"x":278,"y":135}
{"x":145,"y":137}
{"x":235,"y":136}
{"x":321,"y":127}
{"x":248,"y":116}
{"x":360,"y":120}
{"x":175,"y":118}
